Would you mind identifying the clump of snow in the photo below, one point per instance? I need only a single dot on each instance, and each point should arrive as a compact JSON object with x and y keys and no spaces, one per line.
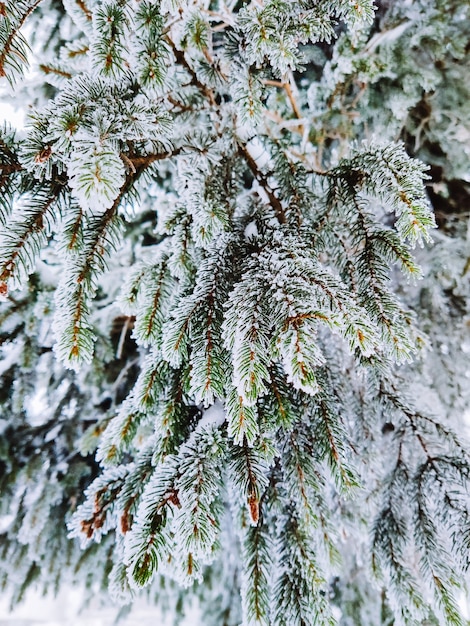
{"x":213,"y":416}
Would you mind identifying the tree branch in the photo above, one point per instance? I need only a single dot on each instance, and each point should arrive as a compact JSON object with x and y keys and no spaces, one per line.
{"x":261,"y":178}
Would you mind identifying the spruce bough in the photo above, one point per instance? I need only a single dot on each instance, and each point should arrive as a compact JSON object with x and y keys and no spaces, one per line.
{"x":224,"y":369}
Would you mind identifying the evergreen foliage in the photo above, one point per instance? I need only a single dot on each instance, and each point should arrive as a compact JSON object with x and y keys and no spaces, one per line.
{"x":234,"y":348}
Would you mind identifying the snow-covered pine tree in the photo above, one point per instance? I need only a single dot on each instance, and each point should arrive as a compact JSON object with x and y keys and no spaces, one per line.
{"x":226,"y":367}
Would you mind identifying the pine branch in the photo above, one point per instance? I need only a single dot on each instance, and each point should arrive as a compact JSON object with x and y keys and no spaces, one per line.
{"x":148,"y":543}
{"x":21,"y":243}
{"x":261,"y":178}
{"x":248,"y":468}
{"x":199,"y":483}
{"x":92,"y":519}
{"x":257,"y":550}
{"x":13,"y":47}
{"x":298,"y":592}
{"x":181,"y":60}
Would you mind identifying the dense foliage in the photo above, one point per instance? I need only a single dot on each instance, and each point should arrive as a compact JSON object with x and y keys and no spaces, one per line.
{"x":234,"y":347}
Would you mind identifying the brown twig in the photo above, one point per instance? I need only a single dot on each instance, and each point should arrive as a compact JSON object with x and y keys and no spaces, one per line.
{"x":8,"y":168}
{"x":83,"y":7}
{"x":289,"y":92}
{"x":141,"y":162}
{"x":261,"y":178}
{"x":181,"y":59}
{"x":47,"y":69}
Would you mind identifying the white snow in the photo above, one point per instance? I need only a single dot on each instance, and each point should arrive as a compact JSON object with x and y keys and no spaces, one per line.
{"x":213,"y":416}
{"x":11,"y":352}
{"x":251,"y":230}
{"x":66,"y":610}
{"x":16,"y":116}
